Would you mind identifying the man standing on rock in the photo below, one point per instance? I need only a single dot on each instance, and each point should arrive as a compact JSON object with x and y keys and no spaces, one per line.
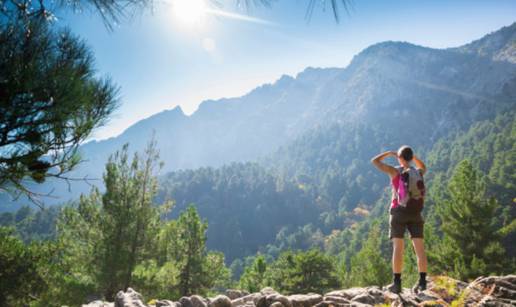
{"x":408,"y":192}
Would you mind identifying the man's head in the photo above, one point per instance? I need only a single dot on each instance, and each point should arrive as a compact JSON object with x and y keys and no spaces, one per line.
{"x":405,"y":154}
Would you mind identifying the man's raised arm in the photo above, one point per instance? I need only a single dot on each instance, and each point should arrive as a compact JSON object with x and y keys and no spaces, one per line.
{"x":377,"y":161}
{"x":420,"y":165}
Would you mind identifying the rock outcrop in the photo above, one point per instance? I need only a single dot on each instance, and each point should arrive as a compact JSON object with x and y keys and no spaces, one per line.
{"x":442,"y":291}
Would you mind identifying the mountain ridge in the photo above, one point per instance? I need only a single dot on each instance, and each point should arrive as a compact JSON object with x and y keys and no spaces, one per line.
{"x":386,"y":82}
{"x":498,"y":45}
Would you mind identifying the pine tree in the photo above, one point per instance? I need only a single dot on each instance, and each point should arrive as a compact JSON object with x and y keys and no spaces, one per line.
{"x":472,"y":242}
{"x":107,"y":235}
{"x":20,"y":279}
{"x":302,"y":272}
{"x":191,"y":248}
{"x":252,"y":279}
{"x":130,"y":220}
{"x":368,"y":267}
{"x":50,"y":97}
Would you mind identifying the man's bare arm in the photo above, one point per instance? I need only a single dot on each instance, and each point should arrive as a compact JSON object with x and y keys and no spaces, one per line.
{"x":377,"y":161}
{"x":420,"y":164}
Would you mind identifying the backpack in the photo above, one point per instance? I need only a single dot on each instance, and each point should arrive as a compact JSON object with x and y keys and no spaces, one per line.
{"x":411,"y":191}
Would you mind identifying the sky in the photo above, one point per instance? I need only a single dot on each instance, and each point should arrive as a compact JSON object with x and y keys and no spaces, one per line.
{"x":173,"y":55}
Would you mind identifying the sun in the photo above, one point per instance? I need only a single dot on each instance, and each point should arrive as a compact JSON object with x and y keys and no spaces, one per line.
{"x":189,"y":12}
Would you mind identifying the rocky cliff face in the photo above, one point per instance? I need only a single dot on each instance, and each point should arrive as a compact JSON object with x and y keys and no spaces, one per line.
{"x":442,"y":291}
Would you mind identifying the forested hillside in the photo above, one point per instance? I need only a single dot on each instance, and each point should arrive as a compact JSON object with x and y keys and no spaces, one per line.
{"x":266,"y":189}
{"x":394,"y":89}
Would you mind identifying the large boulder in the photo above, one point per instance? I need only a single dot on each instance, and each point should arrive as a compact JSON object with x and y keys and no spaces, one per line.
{"x":193,"y":301}
{"x":491,"y":291}
{"x":185,"y":301}
{"x":335,"y":300}
{"x":364,"y":298}
{"x":267,"y":291}
{"x":347,"y":293}
{"x":220,"y":301}
{"x":368,"y":296}
{"x":305,"y":300}
{"x":234,"y":293}
{"x":167,"y":303}
{"x":130,"y":298}
{"x":248,"y":300}
{"x":274,"y":298}
{"x":98,"y":303}
{"x":198,"y":301}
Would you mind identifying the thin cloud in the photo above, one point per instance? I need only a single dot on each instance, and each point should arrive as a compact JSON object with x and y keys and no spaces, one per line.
{"x":240,"y":17}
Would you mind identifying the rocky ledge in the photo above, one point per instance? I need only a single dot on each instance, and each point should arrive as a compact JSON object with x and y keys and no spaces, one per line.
{"x":442,"y":291}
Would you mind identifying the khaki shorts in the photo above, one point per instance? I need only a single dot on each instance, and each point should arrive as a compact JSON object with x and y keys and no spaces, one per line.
{"x":400,"y":220}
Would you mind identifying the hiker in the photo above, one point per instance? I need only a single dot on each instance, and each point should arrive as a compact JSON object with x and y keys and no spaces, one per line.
{"x":408,"y":192}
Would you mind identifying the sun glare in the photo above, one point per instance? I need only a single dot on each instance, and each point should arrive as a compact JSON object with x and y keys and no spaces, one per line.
{"x":189,"y":12}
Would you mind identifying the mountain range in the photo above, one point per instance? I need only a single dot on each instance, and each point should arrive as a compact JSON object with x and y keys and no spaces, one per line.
{"x":414,"y":93}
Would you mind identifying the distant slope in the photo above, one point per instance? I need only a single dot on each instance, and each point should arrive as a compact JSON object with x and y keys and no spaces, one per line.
{"x":409,"y":92}
{"x":498,"y":46}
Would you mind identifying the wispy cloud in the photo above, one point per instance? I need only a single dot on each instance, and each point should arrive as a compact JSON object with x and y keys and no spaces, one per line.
{"x":236,"y":16}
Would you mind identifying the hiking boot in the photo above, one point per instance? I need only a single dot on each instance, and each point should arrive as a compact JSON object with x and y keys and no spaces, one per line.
{"x":418,"y":287}
{"x":394,"y":288}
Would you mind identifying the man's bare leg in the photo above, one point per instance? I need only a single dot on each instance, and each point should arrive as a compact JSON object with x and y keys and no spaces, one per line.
{"x":397,"y":255}
{"x":397,"y":264}
{"x":419,"y":248}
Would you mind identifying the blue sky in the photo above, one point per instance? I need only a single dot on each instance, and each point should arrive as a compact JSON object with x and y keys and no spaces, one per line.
{"x":160,"y":62}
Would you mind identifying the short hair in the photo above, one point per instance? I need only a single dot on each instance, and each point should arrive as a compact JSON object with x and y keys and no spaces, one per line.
{"x":406,"y":153}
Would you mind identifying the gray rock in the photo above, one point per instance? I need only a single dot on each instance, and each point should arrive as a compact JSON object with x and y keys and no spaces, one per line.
{"x":276,"y":297}
{"x":234,"y":293}
{"x":389,"y":296}
{"x":185,"y":301}
{"x":238,"y":302}
{"x":246,"y":300}
{"x":167,"y":303}
{"x":261,"y":302}
{"x":484,"y":291}
{"x":267,"y":291}
{"x":220,"y":301}
{"x":365,"y":298}
{"x":198,"y":301}
{"x":193,"y":301}
{"x":500,"y":286}
{"x":305,"y":300}
{"x":130,"y":298}
{"x":377,"y":294}
{"x":99,"y":303}
{"x":347,"y":293}
{"x":491,"y":291}
{"x":336,"y":300}
{"x":426,"y":296}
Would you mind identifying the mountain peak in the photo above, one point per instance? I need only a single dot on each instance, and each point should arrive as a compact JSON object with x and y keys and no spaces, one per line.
{"x":389,"y":47}
{"x":177,"y":109}
{"x":499,"y":45}
{"x":315,"y":74}
{"x":284,"y":80}
{"x":176,"y":112}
